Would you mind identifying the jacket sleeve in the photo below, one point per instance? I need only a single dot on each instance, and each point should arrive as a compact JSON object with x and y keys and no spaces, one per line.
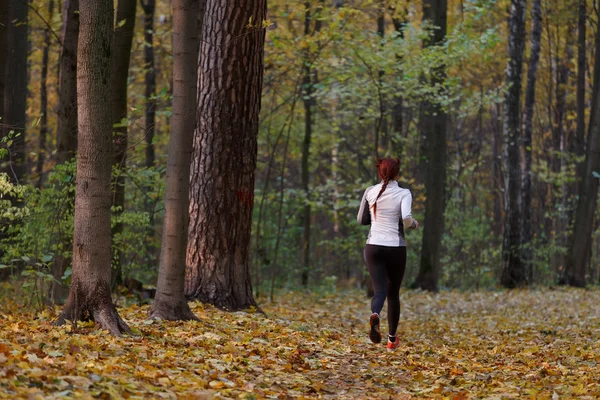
{"x":364,"y":212}
{"x":406,"y":207}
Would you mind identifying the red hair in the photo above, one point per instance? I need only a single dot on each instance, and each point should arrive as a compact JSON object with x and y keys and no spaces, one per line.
{"x":388,"y":169}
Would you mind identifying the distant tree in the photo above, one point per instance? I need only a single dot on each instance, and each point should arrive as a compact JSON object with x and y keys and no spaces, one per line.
{"x":534,"y":58}
{"x":15,"y":89}
{"x":44,"y":99}
{"x":433,"y":126}
{"x":170,"y":302}
{"x":66,"y":131}
{"x":149,"y":79}
{"x":3,"y":54}
{"x":224,"y":158}
{"x":90,"y":295}
{"x":513,"y":273}
{"x":581,"y":239}
{"x":309,"y":80}
{"x":122,"y":40}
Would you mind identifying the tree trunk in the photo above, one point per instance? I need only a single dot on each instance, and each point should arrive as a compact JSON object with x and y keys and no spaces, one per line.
{"x":497,"y":176}
{"x":513,"y":274}
{"x":170,"y":302}
{"x":3,"y":47}
{"x":15,"y":89}
{"x":534,"y":58}
{"x":433,"y":125}
{"x":579,"y":140}
{"x":224,"y":161}
{"x":397,"y":141}
{"x":308,"y":82}
{"x":66,"y":132}
{"x":580,"y":243}
{"x":44,"y":100}
{"x":123,"y":36}
{"x":150,"y":79}
{"x":89,"y":296}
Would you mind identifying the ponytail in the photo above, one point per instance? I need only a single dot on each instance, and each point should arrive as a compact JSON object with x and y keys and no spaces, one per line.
{"x":388,"y":169}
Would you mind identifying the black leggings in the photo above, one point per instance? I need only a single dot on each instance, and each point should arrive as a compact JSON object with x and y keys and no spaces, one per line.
{"x":386,"y":266}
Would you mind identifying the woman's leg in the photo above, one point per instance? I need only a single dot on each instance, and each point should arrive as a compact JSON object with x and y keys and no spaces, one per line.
{"x":376,"y":264}
{"x":396,"y":264}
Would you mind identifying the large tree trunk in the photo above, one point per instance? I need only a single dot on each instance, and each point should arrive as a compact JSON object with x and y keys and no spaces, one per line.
{"x":513,"y":273}
{"x":66,"y":132}
{"x":222,"y":173}
{"x":170,"y":302}
{"x":434,"y":129}
{"x":123,"y":36}
{"x":150,"y":79}
{"x":44,"y":100}
{"x":15,"y":89}
{"x":89,"y":296}
{"x":534,"y":58}
{"x":580,"y":243}
{"x":308,"y":82}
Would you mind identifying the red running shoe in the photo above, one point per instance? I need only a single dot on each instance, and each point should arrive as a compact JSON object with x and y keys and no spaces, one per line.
{"x":374,"y":334}
{"x":393,"y":345}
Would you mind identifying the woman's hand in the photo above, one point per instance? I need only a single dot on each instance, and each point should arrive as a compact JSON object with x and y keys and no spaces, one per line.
{"x":415,"y":224}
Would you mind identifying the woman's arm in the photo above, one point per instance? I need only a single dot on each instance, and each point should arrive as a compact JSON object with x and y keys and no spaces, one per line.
{"x":406,"y":207}
{"x":364,"y":213}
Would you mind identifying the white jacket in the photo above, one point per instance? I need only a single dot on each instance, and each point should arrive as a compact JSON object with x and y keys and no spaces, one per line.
{"x":394,"y":209}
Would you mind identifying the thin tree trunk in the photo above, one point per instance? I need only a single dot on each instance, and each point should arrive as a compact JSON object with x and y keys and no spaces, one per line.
{"x":15,"y":89}
{"x":170,"y":302}
{"x":513,"y":274}
{"x":580,"y":243}
{"x":44,"y":99}
{"x":397,"y":141}
{"x":534,"y":58}
{"x":310,"y":79}
{"x":579,"y":140}
{"x":497,"y":176}
{"x":224,"y":161}
{"x":150,"y":79}
{"x":123,"y":36}
{"x":3,"y":47}
{"x":66,"y":131}
{"x":89,"y":296}
{"x":434,"y":127}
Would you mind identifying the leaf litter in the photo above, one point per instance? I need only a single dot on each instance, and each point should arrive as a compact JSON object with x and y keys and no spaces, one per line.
{"x":538,"y":344}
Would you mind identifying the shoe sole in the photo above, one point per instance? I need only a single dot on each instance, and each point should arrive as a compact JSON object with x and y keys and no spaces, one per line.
{"x":374,"y":334}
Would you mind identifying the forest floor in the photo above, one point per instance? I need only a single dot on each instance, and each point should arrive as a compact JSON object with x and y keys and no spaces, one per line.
{"x":517,"y":344}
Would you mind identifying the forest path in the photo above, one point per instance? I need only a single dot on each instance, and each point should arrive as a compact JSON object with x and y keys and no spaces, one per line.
{"x":537,"y":343}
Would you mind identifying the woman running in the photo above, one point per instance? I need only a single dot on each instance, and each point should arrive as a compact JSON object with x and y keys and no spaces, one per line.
{"x":387,"y":208}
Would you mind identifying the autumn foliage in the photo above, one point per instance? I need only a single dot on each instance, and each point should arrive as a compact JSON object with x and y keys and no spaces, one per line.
{"x":540,"y":344}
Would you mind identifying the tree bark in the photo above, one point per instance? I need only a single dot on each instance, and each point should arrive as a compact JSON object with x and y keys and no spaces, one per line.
{"x":580,"y":242}
{"x":224,"y":160}
{"x":3,"y":46}
{"x":434,"y":128}
{"x":579,"y":139}
{"x":308,"y":82}
{"x":44,"y":99}
{"x":150,"y":79}
{"x":122,"y":40}
{"x":66,"y":132}
{"x":89,"y":296}
{"x":534,"y":58}
{"x":170,"y":302}
{"x":15,"y":89}
{"x":513,"y":274}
